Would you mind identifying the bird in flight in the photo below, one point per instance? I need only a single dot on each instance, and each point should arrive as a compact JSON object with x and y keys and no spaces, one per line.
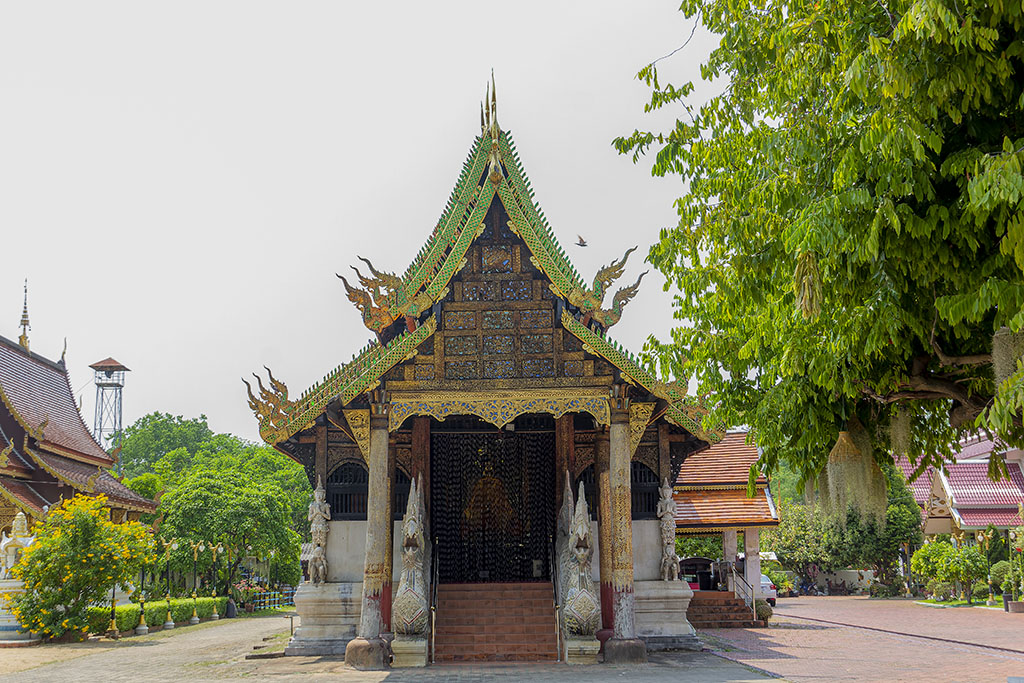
{"x":580,"y":242}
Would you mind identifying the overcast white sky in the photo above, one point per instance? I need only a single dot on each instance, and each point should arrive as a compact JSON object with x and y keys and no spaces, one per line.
{"x":180,"y":181}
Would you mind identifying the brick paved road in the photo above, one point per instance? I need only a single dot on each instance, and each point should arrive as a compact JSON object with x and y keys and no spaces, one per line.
{"x":804,"y":650}
{"x":216,"y":651}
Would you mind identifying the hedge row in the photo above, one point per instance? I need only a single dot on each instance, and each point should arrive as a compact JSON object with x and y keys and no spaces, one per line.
{"x":156,"y":613}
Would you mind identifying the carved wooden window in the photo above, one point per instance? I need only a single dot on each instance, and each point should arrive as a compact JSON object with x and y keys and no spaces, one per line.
{"x":644,"y":489}
{"x":347,"y":491}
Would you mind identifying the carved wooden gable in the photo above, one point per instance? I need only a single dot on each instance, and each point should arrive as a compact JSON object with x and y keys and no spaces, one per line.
{"x":498,"y":326}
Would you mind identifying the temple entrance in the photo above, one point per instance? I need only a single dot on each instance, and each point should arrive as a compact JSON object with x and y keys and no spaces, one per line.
{"x":492,"y":499}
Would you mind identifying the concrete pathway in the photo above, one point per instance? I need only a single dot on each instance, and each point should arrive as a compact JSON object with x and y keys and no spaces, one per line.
{"x":854,"y":638}
{"x":216,"y":651}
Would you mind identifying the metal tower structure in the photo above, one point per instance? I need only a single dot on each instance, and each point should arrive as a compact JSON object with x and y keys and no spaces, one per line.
{"x":109,"y":380}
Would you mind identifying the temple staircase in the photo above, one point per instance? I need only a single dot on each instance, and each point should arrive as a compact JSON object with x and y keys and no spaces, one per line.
{"x":495,"y":622}
{"x":719,"y":609}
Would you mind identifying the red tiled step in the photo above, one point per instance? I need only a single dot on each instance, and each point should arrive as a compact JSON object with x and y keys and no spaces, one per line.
{"x":495,"y":622}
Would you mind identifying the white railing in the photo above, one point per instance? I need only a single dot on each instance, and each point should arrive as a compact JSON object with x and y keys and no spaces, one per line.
{"x":743,"y":590}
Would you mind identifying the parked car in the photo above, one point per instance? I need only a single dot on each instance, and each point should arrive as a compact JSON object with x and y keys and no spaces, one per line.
{"x":768,"y":590}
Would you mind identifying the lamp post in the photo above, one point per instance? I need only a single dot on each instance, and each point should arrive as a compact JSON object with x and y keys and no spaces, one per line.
{"x":112,"y":631}
{"x":197,"y":547}
{"x":215,"y":549}
{"x":142,"y":629}
{"x":168,"y":547}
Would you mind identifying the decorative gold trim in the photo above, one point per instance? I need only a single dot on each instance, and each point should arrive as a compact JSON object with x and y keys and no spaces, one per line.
{"x":499,"y":409}
{"x":359,"y":422}
{"x":639,"y":418}
{"x":16,"y":502}
{"x":716,"y":487}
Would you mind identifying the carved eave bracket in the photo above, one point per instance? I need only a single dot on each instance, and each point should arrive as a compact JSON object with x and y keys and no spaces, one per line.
{"x":359,"y":422}
{"x":639,"y":418}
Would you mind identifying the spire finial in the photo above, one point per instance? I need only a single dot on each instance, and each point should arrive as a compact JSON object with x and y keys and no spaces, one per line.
{"x":25,"y":327}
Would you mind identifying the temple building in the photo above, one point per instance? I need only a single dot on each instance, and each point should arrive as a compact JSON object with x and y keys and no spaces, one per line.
{"x":962,"y":500}
{"x":46,"y":452}
{"x":496,"y":470}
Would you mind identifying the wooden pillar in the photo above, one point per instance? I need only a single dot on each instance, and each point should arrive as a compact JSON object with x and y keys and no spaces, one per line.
{"x":320,"y":464}
{"x":623,"y":646}
{"x":565,"y":437}
{"x":368,"y":650}
{"x":664,"y":453}
{"x":604,"y":530}
{"x":421,"y":456}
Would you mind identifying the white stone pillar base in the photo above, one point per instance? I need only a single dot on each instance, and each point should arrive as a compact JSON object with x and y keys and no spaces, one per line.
{"x":661,"y":615}
{"x":329,"y":614}
{"x":581,"y":650}
{"x":408,"y":651}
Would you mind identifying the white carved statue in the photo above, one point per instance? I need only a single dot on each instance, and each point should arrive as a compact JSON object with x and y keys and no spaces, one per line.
{"x":409,"y":610}
{"x":319,"y":524}
{"x":582,"y":610}
{"x":11,"y":546}
{"x":318,"y":566}
{"x":667,"y":519}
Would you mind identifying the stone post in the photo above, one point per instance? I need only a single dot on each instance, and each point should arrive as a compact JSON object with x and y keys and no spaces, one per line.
{"x":752,"y":563}
{"x":368,"y":651}
{"x":623,"y":646}
{"x":729,"y":554}
{"x":604,"y":532}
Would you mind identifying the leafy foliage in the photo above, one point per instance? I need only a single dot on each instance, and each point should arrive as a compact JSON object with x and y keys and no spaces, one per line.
{"x":852,"y":233}
{"x":154,"y":435}
{"x":700,"y":546}
{"x":250,"y":518}
{"x":78,"y":556}
{"x":805,"y":541}
{"x":999,"y":571}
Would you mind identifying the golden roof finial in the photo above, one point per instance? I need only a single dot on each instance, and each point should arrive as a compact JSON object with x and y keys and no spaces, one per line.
{"x":25,"y":327}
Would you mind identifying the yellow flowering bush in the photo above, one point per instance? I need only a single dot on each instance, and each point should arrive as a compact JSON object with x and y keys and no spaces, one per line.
{"x":77,"y":558}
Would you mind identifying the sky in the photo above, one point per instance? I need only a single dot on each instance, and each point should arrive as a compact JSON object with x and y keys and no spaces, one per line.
{"x":180,"y":182}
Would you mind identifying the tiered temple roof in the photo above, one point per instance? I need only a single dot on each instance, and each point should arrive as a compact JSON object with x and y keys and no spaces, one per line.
{"x":711,"y":489}
{"x":46,"y":451}
{"x":402,"y":312}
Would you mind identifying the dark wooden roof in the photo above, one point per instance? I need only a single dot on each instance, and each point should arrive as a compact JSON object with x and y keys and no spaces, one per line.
{"x":36,"y":390}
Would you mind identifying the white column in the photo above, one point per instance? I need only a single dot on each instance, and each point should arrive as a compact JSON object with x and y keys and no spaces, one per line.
{"x":752,"y":564}
{"x":729,"y":555}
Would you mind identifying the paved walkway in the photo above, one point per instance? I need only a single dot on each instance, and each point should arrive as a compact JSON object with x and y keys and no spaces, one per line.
{"x":800,"y":646}
{"x":215,"y":651}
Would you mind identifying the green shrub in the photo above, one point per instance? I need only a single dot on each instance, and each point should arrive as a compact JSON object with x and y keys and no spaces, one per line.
{"x":763,"y":610}
{"x":1000,"y":570}
{"x":940,"y":590}
{"x":980,"y":591}
{"x":885,"y":590}
{"x":156,"y":613}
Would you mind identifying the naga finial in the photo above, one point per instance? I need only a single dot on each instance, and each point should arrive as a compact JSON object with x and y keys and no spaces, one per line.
{"x":609,"y":274}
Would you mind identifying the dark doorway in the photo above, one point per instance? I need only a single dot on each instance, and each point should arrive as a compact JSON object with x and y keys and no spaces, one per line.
{"x":492,"y":499}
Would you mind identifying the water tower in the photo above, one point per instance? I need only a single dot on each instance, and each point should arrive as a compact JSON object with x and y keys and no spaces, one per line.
{"x":109,"y":379}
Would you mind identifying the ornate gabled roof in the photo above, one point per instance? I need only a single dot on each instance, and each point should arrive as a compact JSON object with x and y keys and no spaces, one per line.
{"x":399,"y":310}
{"x":37,"y":393}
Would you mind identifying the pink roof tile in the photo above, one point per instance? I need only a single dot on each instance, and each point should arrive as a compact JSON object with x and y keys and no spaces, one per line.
{"x":976,"y":446}
{"x":920,"y":487}
{"x":1000,"y":517}
{"x":970,"y":485}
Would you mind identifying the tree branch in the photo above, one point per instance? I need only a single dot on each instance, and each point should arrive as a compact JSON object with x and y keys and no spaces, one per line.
{"x":953,"y":361}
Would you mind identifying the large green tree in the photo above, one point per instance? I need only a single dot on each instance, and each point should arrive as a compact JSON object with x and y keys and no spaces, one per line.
{"x":851,"y":236}
{"x":250,"y":518}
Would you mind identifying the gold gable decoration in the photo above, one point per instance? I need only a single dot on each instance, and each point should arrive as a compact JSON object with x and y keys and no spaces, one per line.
{"x":498,"y":411}
{"x":359,"y":422}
